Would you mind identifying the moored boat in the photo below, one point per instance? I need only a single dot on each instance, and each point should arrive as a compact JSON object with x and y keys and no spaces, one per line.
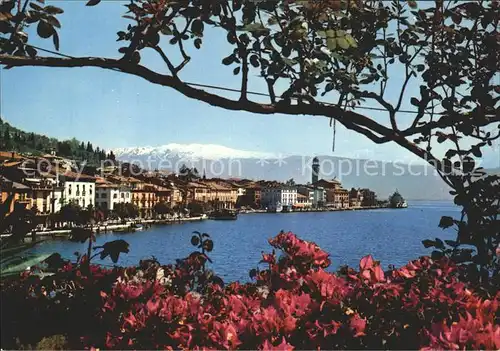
{"x":137,"y":227}
{"x":223,"y":215}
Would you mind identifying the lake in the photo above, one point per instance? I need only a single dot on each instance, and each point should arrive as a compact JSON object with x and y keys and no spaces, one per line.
{"x":393,"y":236}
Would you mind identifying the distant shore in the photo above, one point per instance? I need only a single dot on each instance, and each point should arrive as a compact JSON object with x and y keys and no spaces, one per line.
{"x":320,"y":210}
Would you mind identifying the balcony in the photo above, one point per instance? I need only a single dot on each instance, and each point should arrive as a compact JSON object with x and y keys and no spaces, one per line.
{"x":41,"y":187}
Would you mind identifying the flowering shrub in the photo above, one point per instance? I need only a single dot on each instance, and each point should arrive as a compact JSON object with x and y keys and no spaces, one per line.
{"x":292,"y":303}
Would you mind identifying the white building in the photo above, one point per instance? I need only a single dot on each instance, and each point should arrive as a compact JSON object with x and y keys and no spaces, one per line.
{"x":274,"y":197}
{"x":319,"y":197}
{"x":78,"y":189}
{"x":108,"y":195}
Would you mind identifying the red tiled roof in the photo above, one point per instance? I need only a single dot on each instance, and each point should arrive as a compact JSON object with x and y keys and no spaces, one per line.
{"x":76,"y":176}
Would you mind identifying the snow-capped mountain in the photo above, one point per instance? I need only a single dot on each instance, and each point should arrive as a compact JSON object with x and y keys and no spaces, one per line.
{"x":225,"y":162}
{"x":189,"y":152}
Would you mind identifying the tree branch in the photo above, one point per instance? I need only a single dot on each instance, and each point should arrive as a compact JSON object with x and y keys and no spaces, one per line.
{"x":349,"y":119}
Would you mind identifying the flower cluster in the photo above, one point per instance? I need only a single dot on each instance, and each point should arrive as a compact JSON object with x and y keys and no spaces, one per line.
{"x":294,"y":303}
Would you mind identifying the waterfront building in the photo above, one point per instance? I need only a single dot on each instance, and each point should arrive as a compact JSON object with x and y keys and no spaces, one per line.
{"x":336,"y":196}
{"x":108,"y":195}
{"x":280,"y":195}
{"x":319,"y":197}
{"x":43,"y":187}
{"x":252,"y":197}
{"x":176,"y":195}
{"x":369,"y":197}
{"x":198,"y":192}
{"x":307,"y":192}
{"x":20,"y":193}
{"x":223,"y":194}
{"x":355,"y":198}
{"x":163,"y":194}
{"x":303,"y":201}
{"x":129,"y":182}
{"x":144,"y":197}
{"x":78,"y":189}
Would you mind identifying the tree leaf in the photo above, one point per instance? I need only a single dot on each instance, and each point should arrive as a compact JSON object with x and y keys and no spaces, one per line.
{"x":446,"y":222}
{"x":197,"y":27}
{"x":31,"y":51}
{"x":331,"y":43}
{"x":52,"y":10}
{"x":136,"y":57}
{"x":53,"y":21}
{"x":428,"y":243}
{"x":195,"y":240}
{"x":166,"y":31}
{"x":208,"y":245}
{"x":44,"y":29}
{"x":55,"y":39}
{"x":153,"y":39}
{"x":254,"y":60}
{"x":113,"y":249}
{"x":342,"y":42}
{"x":351,"y":41}
{"x":236,"y":71}
{"x":92,"y":2}
{"x":197,"y":43}
{"x":36,"y":7}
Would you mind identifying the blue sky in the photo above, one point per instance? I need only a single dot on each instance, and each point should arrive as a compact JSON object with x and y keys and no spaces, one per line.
{"x":116,"y":110}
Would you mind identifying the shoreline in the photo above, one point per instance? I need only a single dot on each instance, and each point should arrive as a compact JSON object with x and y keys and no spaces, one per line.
{"x":64,"y":233}
{"x":325,"y":210}
{"x":109,"y":228}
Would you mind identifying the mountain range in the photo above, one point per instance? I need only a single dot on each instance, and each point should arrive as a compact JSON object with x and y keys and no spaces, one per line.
{"x":414,"y":181}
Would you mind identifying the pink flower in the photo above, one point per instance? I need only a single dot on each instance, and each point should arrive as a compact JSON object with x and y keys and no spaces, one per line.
{"x":358,"y":325}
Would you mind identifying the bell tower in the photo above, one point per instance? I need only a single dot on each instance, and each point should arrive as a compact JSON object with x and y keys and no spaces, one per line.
{"x":315,"y":170}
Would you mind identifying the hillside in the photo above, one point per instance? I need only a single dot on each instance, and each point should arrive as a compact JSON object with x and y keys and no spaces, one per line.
{"x":15,"y":139}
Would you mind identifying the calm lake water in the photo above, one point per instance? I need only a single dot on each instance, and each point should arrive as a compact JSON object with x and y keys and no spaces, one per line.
{"x":391,"y":236}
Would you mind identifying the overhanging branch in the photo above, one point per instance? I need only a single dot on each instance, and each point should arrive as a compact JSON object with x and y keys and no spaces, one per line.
{"x":351,"y":120}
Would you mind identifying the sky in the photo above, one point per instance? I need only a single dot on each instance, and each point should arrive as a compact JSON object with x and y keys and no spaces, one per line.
{"x":112,"y":109}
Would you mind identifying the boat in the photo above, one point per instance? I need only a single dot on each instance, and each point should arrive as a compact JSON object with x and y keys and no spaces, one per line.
{"x":123,"y":230}
{"x":223,"y":215}
{"x":137,"y":227}
{"x":397,"y":201}
{"x":275,"y":208}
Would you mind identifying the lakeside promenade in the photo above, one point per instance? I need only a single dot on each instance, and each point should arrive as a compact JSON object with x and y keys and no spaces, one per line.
{"x":64,"y":232}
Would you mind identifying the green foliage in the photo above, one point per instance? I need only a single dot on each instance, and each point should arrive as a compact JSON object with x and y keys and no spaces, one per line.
{"x":196,"y":208}
{"x":54,"y":342}
{"x":162,"y":208}
{"x":126,"y":210}
{"x":14,"y":139}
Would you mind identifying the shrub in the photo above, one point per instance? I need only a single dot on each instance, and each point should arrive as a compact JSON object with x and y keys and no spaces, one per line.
{"x":292,"y":303}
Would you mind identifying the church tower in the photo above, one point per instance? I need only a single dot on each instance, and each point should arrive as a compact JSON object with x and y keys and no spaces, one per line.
{"x":315,"y":170}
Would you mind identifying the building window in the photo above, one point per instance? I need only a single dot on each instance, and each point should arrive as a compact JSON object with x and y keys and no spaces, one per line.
{"x":115,"y":196}
{"x":104,"y":195}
